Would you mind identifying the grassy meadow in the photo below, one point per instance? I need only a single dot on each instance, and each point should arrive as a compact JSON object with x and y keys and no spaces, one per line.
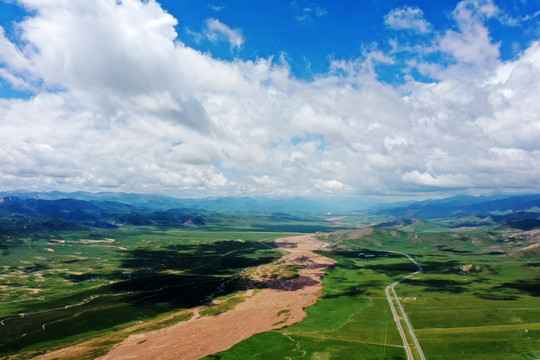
{"x":73,"y":286}
{"x":476,"y":299}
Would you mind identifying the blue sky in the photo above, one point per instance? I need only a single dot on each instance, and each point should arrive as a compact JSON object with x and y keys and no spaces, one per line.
{"x":278,"y":98}
{"x":312,"y":33}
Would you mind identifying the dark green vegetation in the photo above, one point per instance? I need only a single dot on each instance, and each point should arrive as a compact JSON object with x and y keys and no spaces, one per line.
{"x":476,"y":299}
{"x":75,"y":285}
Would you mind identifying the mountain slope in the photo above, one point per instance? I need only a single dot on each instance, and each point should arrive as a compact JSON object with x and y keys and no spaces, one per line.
{"x":97,"y":213}
{"x":463,"y":206}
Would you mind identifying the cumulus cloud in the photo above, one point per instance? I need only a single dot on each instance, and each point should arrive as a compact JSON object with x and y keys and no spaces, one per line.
{"x":122,"y":103}
{"x":472,"y":43}
{"x":407,"y":18}
{"x":216,"y":30}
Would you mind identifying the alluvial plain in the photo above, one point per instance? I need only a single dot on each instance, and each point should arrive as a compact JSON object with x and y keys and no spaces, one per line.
{"x":477,"y":297}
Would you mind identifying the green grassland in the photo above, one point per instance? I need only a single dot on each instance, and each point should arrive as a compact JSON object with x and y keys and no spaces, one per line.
{"x":352,"y":320}
{"x":476,"y":299}
{"x":491,"y":312}
{"x":72,"y":286}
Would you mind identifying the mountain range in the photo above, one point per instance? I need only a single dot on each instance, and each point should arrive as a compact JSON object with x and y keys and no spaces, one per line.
{"x":107,"y":210}
{"x":162,"y":202}
{"x":462,"y":206}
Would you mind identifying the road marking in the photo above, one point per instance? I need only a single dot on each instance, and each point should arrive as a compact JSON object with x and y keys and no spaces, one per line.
{"x":403,"y":314}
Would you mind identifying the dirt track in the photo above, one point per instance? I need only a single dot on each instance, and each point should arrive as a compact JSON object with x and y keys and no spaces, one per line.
{"x":201,"y":336}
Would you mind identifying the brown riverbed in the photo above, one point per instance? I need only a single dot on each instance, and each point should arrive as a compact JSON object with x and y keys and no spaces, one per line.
{"x":267,"y":309}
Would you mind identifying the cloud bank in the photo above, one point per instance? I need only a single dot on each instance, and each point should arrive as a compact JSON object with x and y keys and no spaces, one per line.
{"x":121,"y":103}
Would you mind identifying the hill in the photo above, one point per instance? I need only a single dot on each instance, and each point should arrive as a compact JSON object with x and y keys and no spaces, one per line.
{"x":462,"y":206}
{"x":162,"y":202}
{"x":102,"y":214}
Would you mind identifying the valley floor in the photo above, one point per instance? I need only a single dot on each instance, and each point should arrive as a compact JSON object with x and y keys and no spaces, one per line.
{"x":279,"y":305}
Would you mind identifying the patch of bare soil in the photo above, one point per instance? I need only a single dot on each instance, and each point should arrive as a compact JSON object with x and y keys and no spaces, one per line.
{"x":530,"y":247}
{"x":271,"y":308}
{"x":86,"y":241}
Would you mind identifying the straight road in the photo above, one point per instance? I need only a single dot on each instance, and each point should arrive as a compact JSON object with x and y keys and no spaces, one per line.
{"x":403,"y":314}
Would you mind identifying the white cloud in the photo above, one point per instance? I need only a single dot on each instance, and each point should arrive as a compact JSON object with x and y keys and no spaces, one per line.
{"x":265,"y":180}
{"x":15,"y":81}
{"x":441,"y":181}
{"x":472,"y":43}
{"x":135,"y":109}
{"x":531,"y":16}
{"x":216,"y":30}
{"x":472,"y":46}
{"x":407,"y":18}
{"x":10,"y":55}
{"x":311,"y":11}
{"x":371,"y":57}
{"x":217,"y":8}
{"x":15,"y":65}
{"x":328,"y":186}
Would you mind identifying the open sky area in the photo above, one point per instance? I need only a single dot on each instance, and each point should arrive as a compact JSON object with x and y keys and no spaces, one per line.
{"x":270,"y":98}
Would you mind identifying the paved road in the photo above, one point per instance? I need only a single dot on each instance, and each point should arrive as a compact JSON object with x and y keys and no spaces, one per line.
{"x":404,"y":315}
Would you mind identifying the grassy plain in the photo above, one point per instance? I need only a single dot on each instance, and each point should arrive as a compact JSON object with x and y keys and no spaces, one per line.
{"x":476,"y":299}
{"x":492,"y":312}
{"x":74,"y":286}
{"x":351,"y":321}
